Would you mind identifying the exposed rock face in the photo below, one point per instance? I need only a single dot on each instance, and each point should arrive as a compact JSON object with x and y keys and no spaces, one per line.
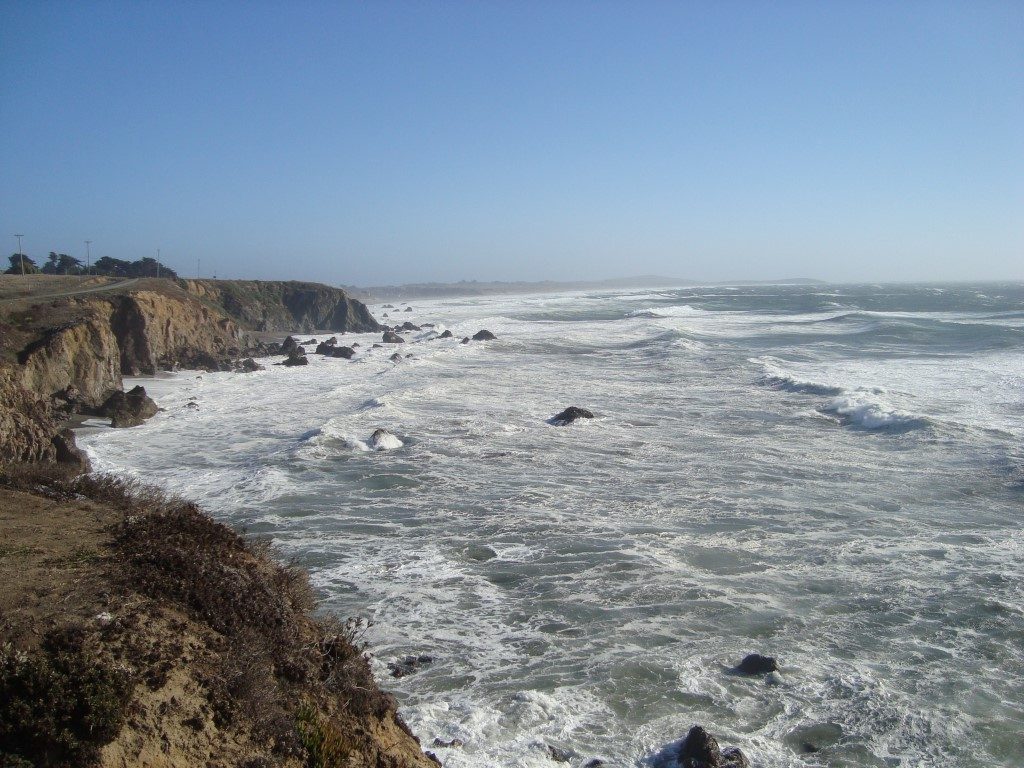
{"x":756,"y":664}
{"x":129,"y":409}
{"x":484,"y":335}
{"x":285,"y":306}
{"x":569,"y":415}
{"x":346,"y":353}
{"x":30,"y":429}
{"x":84,"y":355}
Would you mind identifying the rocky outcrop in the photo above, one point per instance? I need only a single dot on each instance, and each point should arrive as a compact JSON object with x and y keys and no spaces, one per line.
{"x":285,"y":306}
{"x":83,"y":354}
{"x":129,"y":409}
{"x":390,"y":337}
{"x":30,"y":428}
{"x":484,"y":335}
{"x":156,"y":331}
{"x":700,"y":750}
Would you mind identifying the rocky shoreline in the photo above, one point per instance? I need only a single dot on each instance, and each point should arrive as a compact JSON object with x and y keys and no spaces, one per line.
{"x":135,"y":630}
{"x":179,"y":612}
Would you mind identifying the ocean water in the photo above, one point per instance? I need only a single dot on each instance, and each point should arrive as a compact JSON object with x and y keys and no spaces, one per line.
{"x":830,"y":475}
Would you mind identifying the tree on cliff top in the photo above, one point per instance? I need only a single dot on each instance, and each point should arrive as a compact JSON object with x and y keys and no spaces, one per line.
{"x":16,"y":260}
{"x":146,"y":267}
{"x":62,"y":264}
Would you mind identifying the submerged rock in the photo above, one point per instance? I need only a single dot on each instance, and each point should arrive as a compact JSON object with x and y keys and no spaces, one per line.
{"x":395,"y":358}
{"x":383,"y":440}
{"x":409,"y":664}
{"x":484,"y":335}
{"x":129,"y":409}
{"x":700,"y":750}
{"x":756,"y":664}
{"x":558,"y":754}
{"x":438,"y":742}
{"x":569,"y":415}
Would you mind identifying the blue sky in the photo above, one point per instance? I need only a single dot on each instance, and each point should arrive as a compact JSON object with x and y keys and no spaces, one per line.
{"x":377,"y":143}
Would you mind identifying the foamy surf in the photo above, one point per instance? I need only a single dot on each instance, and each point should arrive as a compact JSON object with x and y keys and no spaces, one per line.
{"x":588,"y":589}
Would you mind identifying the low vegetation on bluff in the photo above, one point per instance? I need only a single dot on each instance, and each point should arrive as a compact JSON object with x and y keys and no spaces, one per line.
{"x":136,"y":630}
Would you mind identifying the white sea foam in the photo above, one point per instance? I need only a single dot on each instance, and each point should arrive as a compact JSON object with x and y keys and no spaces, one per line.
{"x":684,"y":310}
{"x":870,"y":410}
{"x":589,"y":588}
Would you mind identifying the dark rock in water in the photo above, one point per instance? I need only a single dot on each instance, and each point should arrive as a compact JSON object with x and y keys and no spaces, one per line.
{"x":355,"y":344}
{"x":446,"y":335}
{"x":569,"y":415}
{"x":311,"y":341}
{"x":193,"y":406}
{"x":409,"y":664}
{"x":390,"y":337}
{"x":249,"y":366}
{"x":387,"y":306}
{"x":428,"y":325}
{"x":346,"y":352}
{"x":289,"y":344}
{"x":395,"y":358}
{"x":756,"y":664}
{"x":377,"y":346}
{"x":67,"y":452}
{"x":385,"y":315}
{"x":325,"y":347}
{"x":558,"y":754}
{"x":594,"y":762}
{"x":465,"y":340}
{"x":129,"y":409}
{"x":484,"y":336}
{"x":448,"y":744}
{"x":700,"y":750}
{"x":407,"y":326}
{"x":409,"y":355}
{"x":296,"y":357}
{"x":408,"y":309}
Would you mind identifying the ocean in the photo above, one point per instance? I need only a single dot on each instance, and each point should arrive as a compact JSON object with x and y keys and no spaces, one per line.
{"x":831,"y":475}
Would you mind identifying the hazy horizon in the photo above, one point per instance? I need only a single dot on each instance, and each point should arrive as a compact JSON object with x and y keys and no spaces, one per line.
{"x":407,"y":143}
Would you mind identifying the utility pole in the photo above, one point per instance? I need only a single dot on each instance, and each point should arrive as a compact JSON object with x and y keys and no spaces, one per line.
{"x":21,"y":255}
{"x":197,"y":267}
{"x":158,"y":262}
{"x":88,"y":259}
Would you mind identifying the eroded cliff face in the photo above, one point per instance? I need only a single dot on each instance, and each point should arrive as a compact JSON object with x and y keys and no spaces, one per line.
{"x":83,"y":355}
{"x":75,"y":354}
{"x":285,"y":306}
{"x":155,"y":331}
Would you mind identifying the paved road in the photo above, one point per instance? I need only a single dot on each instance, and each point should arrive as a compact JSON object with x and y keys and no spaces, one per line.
{"x":94,"y":289}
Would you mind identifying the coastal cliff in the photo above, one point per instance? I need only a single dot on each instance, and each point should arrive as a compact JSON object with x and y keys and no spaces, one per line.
{"x":134,"y":630}
{"x":285,"y":306}
{"x":75,"y":347}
